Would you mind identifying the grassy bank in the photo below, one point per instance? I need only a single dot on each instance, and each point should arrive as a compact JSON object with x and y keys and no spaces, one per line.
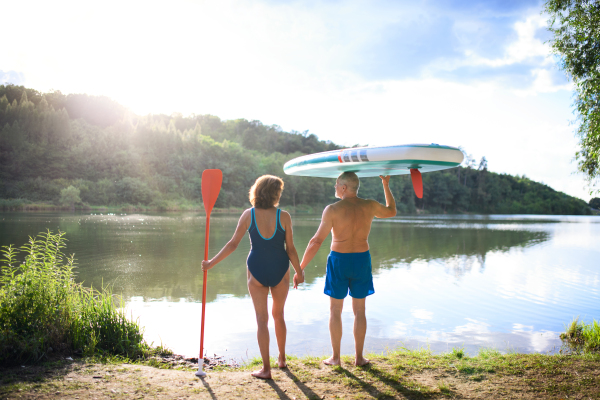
{"x":26,"y":205}
{"x":44,"y":313}
{"x":412,"y":374}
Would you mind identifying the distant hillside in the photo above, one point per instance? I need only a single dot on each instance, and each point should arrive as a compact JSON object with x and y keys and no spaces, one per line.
{"x":51,"y":141}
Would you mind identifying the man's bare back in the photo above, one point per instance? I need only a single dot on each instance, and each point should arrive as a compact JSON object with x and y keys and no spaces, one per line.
{"x":351,"y":224}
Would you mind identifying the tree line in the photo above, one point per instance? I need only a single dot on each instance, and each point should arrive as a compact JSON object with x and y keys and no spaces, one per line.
{"x":90,"y":150}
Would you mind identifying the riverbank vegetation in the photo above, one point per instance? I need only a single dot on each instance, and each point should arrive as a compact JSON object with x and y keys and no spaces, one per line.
{"x":581,"y":336}
{"x":80,"y":151}
{"x":45,"y":313}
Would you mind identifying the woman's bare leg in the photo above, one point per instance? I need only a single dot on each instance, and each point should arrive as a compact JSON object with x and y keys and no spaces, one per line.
{"x":259,"y":294}
{"x":279,"y":294}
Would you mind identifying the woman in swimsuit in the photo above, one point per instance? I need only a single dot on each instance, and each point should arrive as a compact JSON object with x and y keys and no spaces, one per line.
{"x":272,"y":250}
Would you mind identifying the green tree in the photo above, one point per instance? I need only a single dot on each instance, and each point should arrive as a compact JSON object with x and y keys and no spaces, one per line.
{"x":69,"y":196}
{"x":576,"y":28}
{"x":595,"y":203}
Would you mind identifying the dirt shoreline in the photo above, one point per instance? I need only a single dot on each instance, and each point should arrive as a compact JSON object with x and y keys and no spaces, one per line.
{"x":399,"y":376}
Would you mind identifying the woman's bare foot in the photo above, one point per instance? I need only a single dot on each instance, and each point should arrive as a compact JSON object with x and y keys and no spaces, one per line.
{"x":361,"y":361}
{"x":331,"y":361}
{"x":281,"y":362}
{"x":262,"y":374}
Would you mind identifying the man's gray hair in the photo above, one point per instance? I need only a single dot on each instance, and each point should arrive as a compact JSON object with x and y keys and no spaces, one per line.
{"x":349,"y":179}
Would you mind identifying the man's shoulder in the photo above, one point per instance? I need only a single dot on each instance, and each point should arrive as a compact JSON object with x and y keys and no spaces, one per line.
{"x":342,"y":205}
{"x":370,"y":201}
{"x":365,"y":203}
{"x":334,"y":207}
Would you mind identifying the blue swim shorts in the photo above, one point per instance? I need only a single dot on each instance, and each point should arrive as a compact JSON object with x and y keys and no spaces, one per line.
{"x":349,"y":272}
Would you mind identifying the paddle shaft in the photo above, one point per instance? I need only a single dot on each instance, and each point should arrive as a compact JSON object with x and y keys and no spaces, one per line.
{"x":211,"y":186}
{"x":201,"y":357}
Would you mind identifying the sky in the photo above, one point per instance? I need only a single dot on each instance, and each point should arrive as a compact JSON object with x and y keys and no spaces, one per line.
{"x":476,"y":74}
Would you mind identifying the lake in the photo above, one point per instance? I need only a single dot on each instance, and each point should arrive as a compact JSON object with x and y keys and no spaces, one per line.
{"x":509,"y":282}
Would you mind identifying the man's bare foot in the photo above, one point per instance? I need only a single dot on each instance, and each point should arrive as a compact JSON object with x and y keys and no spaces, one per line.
{"x":262,"y":374}
{"x":361,"y":361}
{"x":331,"y":361}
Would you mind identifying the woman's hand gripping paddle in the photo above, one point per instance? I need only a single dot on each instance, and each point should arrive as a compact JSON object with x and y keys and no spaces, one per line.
{"x":211,"y":186}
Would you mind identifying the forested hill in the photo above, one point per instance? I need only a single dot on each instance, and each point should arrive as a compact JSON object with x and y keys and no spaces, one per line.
{"x":58,"y":148}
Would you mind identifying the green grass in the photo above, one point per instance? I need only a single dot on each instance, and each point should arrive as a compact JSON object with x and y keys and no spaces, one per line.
{"x":581,"y":336}
{"x":444,"y":388}
{"x":13,"y":204}
{"x":44,"y":312}
{"x":158,"y":205}
{"x":179,"y":205}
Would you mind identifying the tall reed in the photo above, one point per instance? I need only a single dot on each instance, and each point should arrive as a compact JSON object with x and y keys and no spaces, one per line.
{"x":43,"y":311}
{"x":582,"y":336}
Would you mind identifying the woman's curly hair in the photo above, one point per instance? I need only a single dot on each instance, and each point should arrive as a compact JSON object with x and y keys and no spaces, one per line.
{"x":266,"y":191}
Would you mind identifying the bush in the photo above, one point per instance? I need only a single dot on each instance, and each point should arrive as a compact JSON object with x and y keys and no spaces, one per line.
{"x":69,"y":196}
{"x":133,"y":191}
{"x":43,"y":310}
{"x":12,"y":204}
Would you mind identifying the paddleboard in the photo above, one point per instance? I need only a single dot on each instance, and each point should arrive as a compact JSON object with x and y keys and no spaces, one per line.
{"x":375,"y":161}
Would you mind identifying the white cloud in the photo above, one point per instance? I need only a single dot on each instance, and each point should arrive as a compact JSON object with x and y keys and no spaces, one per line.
{"x":526,"y":47}
{"x":543,"y":83}
{"x":421,"y":314}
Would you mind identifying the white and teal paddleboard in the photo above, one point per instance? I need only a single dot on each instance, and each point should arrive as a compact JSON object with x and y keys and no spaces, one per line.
{"x":374,"y":161}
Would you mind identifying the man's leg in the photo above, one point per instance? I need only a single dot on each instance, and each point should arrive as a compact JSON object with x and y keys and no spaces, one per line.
{"x":360,"y":330}
{"x":335,"y":330}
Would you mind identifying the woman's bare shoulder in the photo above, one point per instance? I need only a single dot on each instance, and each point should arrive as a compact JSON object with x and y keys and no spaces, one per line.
{"x":286,"y":217}
{"x":246,"y":215}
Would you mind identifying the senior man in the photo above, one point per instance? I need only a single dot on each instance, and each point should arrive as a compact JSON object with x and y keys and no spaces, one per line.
{"x":349,"y":263}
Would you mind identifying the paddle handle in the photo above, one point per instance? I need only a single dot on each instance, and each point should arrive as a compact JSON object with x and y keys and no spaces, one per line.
{"x":201,"y":357}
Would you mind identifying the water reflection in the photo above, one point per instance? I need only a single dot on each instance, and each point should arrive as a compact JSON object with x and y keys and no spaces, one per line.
{"x":461,"y":247}
{"x":158,"y":256}
{"x":442,"y":281}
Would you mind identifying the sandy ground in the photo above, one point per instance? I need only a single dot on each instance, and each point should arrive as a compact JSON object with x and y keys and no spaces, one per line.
{"x":300,"y":381}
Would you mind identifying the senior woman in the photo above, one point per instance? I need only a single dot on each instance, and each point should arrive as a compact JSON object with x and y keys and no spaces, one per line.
{"x":272,"y":249}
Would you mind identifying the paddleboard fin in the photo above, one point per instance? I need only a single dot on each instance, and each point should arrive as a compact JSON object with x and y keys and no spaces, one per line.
{"x":417,"y":181}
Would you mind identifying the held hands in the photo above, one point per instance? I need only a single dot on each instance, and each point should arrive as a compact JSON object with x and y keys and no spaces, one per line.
{"x":206,"y":265}
{"x":298,"y":279}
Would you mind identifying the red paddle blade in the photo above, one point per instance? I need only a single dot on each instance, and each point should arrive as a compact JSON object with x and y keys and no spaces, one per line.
{"x":417,"y":181}
{"x":211,"y":186}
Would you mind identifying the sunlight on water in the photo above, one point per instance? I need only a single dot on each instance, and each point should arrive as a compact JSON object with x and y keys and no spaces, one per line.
{"x":511,"y":282}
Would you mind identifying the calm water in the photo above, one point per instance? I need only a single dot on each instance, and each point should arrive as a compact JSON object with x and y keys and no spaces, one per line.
{"x":510,"y":282}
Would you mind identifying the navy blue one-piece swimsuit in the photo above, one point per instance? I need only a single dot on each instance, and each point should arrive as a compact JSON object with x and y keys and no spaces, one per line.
{"x":268,"y":261}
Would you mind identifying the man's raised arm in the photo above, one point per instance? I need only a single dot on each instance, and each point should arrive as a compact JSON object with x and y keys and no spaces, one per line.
{"x":390,"y":204}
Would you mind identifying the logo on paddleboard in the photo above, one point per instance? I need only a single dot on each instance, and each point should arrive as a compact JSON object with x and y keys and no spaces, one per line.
{"x":354,"y":156}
